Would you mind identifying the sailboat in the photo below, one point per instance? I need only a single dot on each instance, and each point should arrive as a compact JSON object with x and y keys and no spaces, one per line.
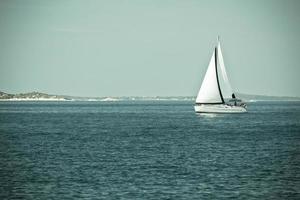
{"x":215,"y":94}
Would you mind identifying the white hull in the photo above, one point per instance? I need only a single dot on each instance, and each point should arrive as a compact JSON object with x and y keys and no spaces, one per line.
{"x":219,"y":108}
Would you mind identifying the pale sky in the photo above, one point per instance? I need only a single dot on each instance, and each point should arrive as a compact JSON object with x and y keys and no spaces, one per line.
{"x":147,"y":48}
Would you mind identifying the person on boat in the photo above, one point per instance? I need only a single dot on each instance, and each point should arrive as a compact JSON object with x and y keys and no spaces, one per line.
{"x":233,"y":97}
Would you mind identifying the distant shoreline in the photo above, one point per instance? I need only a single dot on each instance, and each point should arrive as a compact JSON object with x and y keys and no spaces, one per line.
{"x":124,"y":100}
{"x":38,"y":96}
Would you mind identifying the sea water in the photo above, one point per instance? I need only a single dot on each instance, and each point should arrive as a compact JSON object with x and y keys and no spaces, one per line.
{"x":148,"y":150}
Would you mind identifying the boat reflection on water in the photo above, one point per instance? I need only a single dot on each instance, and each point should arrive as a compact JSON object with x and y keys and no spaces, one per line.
{"x":210,"y":115}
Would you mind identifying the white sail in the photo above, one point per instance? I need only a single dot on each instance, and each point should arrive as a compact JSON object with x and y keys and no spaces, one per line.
{"x":224,"y":82}
{"x":209,"y":91}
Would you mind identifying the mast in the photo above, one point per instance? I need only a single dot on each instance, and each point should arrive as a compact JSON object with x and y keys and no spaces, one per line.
{"x":216,"y":64}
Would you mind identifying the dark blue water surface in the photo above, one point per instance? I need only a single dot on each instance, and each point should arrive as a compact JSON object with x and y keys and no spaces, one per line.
{"x":148,"y":150}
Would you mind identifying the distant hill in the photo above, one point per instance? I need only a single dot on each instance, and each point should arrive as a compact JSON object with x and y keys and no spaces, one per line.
{"x":30,"y":96}
{"x":38,"y":96}
{"x":251,"y":97}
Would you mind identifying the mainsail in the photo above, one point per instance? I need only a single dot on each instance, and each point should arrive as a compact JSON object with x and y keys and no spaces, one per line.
{"x":224,"y":82}
{"x":210,"y":92}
